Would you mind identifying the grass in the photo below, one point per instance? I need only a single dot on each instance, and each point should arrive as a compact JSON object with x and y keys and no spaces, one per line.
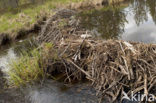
{"x":27,"y":69}
{"x":13,"y":22}
{"x":31,"y":66}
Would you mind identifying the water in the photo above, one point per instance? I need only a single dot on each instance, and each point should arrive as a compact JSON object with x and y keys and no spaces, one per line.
{"x":54,"y":92}
{"x":51,"y":92}
{"x":6,"y":56}
{"x":133,"y":20}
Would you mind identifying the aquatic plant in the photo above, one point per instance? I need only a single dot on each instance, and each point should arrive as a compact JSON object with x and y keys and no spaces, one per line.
{"x":31,"y":66}
{"x":26,"y":69}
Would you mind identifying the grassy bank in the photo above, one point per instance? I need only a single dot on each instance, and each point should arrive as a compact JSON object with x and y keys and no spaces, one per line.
{"x":12,"y":23}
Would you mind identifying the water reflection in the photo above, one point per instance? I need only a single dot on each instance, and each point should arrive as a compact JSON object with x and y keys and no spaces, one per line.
{"x":108,"y":22}
{"x":152,"y":8}
{"x":6,"y":57}
{"x":140,"y":11}
{"x":50,"y":92}
{"x":136,"y":21}
{"x":141,"y":21}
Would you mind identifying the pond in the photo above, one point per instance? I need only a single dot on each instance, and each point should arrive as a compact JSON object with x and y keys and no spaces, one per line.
{"x":132,"y":20}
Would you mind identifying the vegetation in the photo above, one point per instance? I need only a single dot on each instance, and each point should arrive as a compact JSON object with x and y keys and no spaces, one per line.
{"x":26,"y":69}
{"x":30,"y":66}
{"x":11,"y":22}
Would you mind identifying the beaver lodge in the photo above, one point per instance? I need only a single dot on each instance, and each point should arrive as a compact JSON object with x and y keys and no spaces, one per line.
{"x":112,"y":66}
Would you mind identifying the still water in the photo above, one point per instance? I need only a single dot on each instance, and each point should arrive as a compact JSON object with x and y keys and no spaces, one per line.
{"x":132,"y":20}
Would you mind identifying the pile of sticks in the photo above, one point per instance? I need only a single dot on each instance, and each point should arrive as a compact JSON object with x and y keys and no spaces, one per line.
{"x":112,"y":66}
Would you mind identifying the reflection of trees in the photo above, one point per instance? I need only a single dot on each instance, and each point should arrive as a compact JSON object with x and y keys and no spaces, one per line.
{"x":109,"y":23}
{"x":141,"y":8}
{"x":152,"y":8}
{"x":140,"y":11}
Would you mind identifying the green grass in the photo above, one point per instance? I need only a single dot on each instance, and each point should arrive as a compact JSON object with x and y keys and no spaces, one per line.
{"x":27,"y":69}
{"x":11,"y":23}
{"x":30,"y":67}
